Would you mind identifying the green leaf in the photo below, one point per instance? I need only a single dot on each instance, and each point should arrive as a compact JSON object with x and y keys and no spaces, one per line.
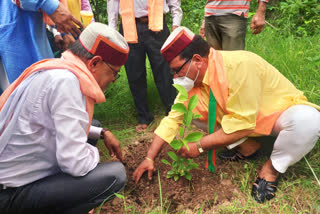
{"x":176,"y":144}
{"x":193,"y":102}
{"x":181,"y":131}
{"x":194,"y":137}
{"x":185,"y":143}
{"x":189,"y":119}
{"x":193,"y":165}
{"x":119,"y":196}
{"x":197,"y":116}
{"x":183,"y":93}
{"x":171,"y":172}
{"x":176,"y":177}
{"x":165,"y":162}
{"x":179,"y":107}
{"x":188,"y":176}
{"x":173,"y":156}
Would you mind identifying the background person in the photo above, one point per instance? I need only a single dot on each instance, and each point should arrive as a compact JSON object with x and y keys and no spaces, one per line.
{"x":23,"y":39}
{"x":46,"y":166}
{"x":225,"y":23}
{"x":149,"y":43}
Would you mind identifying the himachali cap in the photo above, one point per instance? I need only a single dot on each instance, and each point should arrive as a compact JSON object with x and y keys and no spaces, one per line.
{"x":178,"y":40}
{"x":101,"y":40}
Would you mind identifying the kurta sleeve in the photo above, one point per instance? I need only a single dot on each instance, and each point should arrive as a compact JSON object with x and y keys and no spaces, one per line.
{"x":113,"y":13}
{"x":176,"y":11}
{"x":169,"y":125}
{"x":244,"y":98}
{"x":48,"y":6}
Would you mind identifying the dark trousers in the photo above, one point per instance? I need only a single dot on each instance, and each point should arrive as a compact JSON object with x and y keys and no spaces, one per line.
{"x":226,"y":32}
{"x":63,"y":193}
{"x":149,"y":44}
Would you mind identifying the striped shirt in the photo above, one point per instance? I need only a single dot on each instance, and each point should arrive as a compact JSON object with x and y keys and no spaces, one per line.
{"x":224,"y":7}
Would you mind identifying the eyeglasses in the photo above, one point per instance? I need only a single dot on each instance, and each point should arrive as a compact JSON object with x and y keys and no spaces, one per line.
{"x":116,"y":74}
{"x":173,"y":72}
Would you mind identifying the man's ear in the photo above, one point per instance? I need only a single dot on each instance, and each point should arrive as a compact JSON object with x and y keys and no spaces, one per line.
{"x":198,"y":60}
{"x":93,"y":62}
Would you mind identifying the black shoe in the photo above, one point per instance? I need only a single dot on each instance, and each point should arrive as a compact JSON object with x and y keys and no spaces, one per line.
{"x":234,"y":155}
{"x":262,"y":190}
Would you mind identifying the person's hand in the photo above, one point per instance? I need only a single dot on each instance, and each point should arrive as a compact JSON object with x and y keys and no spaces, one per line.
{"x":67,"y":40}
{"x":174,"y":27}
{"x":145,"y":165}
{"x":258,"y":23}
{"x":192,"y":153}
{"x":113,"y":145}
{"x":202,"y":30}
{"x":59,"y":41}
{"x":65,"y":21}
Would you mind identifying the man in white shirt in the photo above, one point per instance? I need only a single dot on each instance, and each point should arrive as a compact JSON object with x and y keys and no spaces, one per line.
{"x":149,"y":43}
{"x":46,"y":166}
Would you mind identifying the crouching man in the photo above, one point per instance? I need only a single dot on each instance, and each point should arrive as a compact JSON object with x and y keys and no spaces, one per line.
{"x":46,"y":164}
{"x":247,"y":97}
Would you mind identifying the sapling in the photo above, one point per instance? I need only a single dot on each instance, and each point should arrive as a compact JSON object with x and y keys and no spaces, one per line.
{"x":181,"y":166}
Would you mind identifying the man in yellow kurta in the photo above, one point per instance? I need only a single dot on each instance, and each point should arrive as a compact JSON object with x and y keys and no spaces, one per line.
{"x":253,"y":99}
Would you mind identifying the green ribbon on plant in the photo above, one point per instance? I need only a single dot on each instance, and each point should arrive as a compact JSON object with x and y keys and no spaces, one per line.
{"x":212,"y":115}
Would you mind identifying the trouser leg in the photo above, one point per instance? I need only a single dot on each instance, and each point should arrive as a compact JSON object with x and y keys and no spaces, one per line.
{"x":136,"y":74}
{"x":233,"y":32}
{"x":213,"y":33}
{"x":226,"y":32}
{"x":298,"y":129}
{"x":160,"y":67}
{"x":62,"y":193}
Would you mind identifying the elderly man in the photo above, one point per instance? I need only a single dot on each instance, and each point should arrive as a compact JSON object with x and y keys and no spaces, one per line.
{"x":252,"y":99}
{"x":45,"y":115}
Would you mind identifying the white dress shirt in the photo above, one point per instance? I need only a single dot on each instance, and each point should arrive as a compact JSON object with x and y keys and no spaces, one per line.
{"x":141,"y":10}
{"x":50,"y":133}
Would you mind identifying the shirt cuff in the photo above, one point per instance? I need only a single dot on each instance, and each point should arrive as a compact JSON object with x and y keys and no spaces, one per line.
{"x":94,"y":132}
{"x":50,"y":6}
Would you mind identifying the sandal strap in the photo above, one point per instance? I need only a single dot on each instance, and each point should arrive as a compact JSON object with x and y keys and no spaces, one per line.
{"x":262,"y":189}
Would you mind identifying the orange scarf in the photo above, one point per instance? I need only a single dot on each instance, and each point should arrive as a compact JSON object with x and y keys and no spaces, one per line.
{"x":88,"y":85}
{"x":155,"y":11}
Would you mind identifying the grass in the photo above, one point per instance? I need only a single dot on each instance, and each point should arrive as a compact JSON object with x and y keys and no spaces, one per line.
{"x":296,"y":58}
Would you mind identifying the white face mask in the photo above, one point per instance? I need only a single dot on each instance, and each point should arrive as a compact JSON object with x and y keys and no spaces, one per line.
{"x":185,"y":81}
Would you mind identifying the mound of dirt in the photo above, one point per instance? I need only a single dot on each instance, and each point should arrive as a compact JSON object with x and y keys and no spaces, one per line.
{"x":206,"y":190}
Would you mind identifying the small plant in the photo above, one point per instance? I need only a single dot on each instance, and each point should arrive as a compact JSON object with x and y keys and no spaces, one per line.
{"x":181,"y":166}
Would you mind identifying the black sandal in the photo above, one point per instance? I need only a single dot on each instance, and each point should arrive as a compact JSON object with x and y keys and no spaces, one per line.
{"x":234,"y":155}
{"x":262,"y":190}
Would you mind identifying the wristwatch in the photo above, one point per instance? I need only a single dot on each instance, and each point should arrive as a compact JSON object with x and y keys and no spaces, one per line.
{"x":102,"y":132}
{"x":200,"y":149}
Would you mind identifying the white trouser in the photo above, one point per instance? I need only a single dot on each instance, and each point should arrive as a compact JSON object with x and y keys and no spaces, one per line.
{"x":297,"y":130}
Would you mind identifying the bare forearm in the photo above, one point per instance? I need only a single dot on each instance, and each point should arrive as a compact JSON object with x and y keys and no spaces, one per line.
{"x":220,"y":139}
{"x":155,"y":147}
{"x":262,"y":7}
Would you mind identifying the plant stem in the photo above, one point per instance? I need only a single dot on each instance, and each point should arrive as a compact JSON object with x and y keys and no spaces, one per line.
{"x":314,"y":174}
{"x":160,"y":191}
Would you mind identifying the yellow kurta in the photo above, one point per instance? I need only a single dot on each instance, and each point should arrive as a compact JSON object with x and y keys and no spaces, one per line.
{"x":254,"y":86}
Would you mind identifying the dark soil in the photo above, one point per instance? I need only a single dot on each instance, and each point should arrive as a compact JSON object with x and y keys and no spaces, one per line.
{"x":205,"y":191}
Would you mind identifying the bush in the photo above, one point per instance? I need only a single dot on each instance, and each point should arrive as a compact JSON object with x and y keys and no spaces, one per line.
{"x":298,"y":17}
